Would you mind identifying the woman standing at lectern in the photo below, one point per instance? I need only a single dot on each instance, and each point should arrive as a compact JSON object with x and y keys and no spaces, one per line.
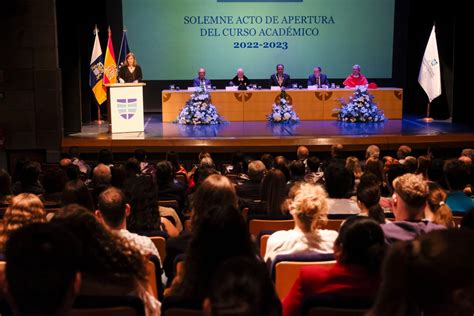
{"x":130,"y":70}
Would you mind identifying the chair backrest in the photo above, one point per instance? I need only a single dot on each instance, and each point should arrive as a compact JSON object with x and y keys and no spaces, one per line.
{"x":151,"y":276}
{"x":287,"y":272}
{"x":183,"y":312}
{"x":333,"y":224}
{"x":263,"y":245}
{"x":160,"y":244}
{"x":108,"y":306}
{"x":336,"y":305}
{"x":457,"y":220}
{"x":2,"y":275}
{"x":286,"y":268}
{"x":169,"y":203}
{"x":257,"y":225}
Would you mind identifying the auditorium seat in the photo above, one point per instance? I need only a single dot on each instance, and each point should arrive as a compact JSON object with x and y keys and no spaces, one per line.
{"x":160,"y":244}
{"x":257,"y":225}
{"x":263,"y":244}
{"x":286,"y":268}
{"x":333,"y":224}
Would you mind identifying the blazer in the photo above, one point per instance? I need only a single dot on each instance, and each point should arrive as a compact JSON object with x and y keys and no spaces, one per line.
{"x":323,"y":80}
{"x":197,"y":82}
{"x":286,"y":81}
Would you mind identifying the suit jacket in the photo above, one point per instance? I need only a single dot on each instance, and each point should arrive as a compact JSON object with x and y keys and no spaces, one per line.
{"x":312,"y":80}
{"x":286,"y":81}
{"x":197,"y":82}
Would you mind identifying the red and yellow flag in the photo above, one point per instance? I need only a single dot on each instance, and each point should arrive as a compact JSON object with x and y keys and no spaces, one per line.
{"x":110,"y":66}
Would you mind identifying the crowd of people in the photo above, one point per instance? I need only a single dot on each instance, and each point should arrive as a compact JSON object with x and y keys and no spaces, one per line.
{"x":82,"y":228}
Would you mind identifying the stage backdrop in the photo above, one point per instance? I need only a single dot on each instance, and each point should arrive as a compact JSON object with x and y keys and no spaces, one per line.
{"x":173,"y":38}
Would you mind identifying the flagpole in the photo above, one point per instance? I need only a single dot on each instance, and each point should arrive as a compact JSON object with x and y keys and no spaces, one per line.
{"x":428,"y":119}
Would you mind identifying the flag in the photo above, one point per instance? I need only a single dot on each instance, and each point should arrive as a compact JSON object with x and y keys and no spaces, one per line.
{"x":110,"y":66}
{"x":430,"y":74}
{"x":96,"y":70}
{"x":124,"y":49}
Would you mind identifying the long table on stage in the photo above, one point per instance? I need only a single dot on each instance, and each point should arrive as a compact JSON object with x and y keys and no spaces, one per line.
{"x":254,"y":105}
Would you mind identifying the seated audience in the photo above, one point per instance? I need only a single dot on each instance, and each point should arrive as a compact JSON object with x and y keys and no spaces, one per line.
{"x":145,"y":166}
{"x":76,"y":192}
{"x":281,"y":164}
{"x":214,"y":190}
{"x":110,"y":265}
{"x":168,"y":187}
{"x":173,"y":157}
{"x":436,"y":209}
{"x":242,"y":287}
{"x":106,"y":157}
{"x":112,"y":212}
{"x":297,"y":172}
{"x":431,"y":275}
{"x":251,"y":189}
{"x":274,"y":192}
{"x":54,"y":180}
{"x":145,"y":217}
{"x":308,"y":206}
{"x":359,"y":250}
{"x":218,"y":234}
{"x":457,"y":177}
{"x":340,"y":185}
{"x":368,"y":200}
{"x":403,"y":152}
{"x":25,"y":209}
{"x":29,"y":180}
{"x":353,"y":165}
{"x":75,"y":156}
{"x":409,"y":201}
{"x":43,"y":271}
{"x":302,"y":153}
{"x":314,"y":174}
{"x":267,"y":160}
{"x":6,"y":193}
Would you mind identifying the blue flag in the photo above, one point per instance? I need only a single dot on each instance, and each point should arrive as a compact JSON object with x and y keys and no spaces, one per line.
{"x":124,"y":50}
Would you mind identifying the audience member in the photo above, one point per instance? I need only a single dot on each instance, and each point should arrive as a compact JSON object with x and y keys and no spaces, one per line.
{"x":29,"y":180}
{"x":436,"y":210}
{"x":76,"y":192}
{"x":242,"y":287}
{"x":267,"y":160}
{"x":403,"y":151}
{"x":6,"y":193}
{"x":409,"y":202}
{"x":457,"y":178}
{"x":309,"y":207}
{"x":251,"y":189}
{"x":25,"y":209}
{"x":340,"y":186}
{"x":359,"y":250}
{"x":42,"y":273}
{"x":113,"y":212}
{"x":314,"y":174}
{"x":431,"y":275}
{"x":368,"y":200}
{"x":274,"y":192}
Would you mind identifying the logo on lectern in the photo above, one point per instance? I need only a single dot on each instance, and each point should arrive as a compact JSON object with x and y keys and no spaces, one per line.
{"x":127,"y":108}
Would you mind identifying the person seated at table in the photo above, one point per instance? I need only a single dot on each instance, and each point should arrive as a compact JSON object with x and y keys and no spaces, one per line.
{"x":280,"y":79}
{"x":318,"y":78}
{"x":355,"y":78}
{"x":130,"y":71}
{"x":201,"y":80}
{"x":240,"y":80}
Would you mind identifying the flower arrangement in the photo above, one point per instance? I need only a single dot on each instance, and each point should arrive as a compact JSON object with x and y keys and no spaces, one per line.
{"x":360,"y":108}
{"x":199,"y":110}
{"x":282,"y":111}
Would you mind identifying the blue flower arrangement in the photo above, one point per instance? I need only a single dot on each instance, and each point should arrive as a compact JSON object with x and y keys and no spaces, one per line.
{"x":282,"y":112}
{"x":199,"y":110}
{"x":360,"y":108}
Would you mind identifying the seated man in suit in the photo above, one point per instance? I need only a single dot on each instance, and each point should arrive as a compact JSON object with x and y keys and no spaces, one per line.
{"x":201,"y":80}
{"x":280,"y":78}
{"x":317,"y":78}
{"x":355,"y":78}
{"x":240,"y":80}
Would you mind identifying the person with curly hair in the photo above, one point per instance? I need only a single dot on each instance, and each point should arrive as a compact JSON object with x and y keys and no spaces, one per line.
{"x":309,"y":207}
{"x":110,"y":265}
{"x":25,"y":208}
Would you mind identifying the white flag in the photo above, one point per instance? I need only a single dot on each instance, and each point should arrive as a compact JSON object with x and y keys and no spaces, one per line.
{"x":430,"y":75}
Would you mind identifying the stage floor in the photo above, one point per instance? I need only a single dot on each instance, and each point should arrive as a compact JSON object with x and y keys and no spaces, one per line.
{"x":263,"y":136}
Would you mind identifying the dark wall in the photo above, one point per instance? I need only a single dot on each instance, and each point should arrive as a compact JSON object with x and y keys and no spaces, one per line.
{"x":30,"y":79}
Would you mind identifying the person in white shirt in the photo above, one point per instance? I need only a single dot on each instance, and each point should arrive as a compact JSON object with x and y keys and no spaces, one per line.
{"x":113,"y":212}
{"x":308,"y":206}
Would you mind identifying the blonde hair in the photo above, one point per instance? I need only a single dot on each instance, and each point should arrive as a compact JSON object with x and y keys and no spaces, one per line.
{"x":134,"y":60}
{"x":353,"y":164}
{"x":309,"y":204}
{"x":25,"y":208}
{"x":436,"y":199}
{"x":412,"y":189}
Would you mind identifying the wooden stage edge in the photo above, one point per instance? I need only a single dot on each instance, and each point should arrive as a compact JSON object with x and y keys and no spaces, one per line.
{"x":267,"y":144}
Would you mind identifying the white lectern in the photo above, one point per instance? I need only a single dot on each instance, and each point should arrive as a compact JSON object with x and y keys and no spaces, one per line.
{"x":126,"y":107}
